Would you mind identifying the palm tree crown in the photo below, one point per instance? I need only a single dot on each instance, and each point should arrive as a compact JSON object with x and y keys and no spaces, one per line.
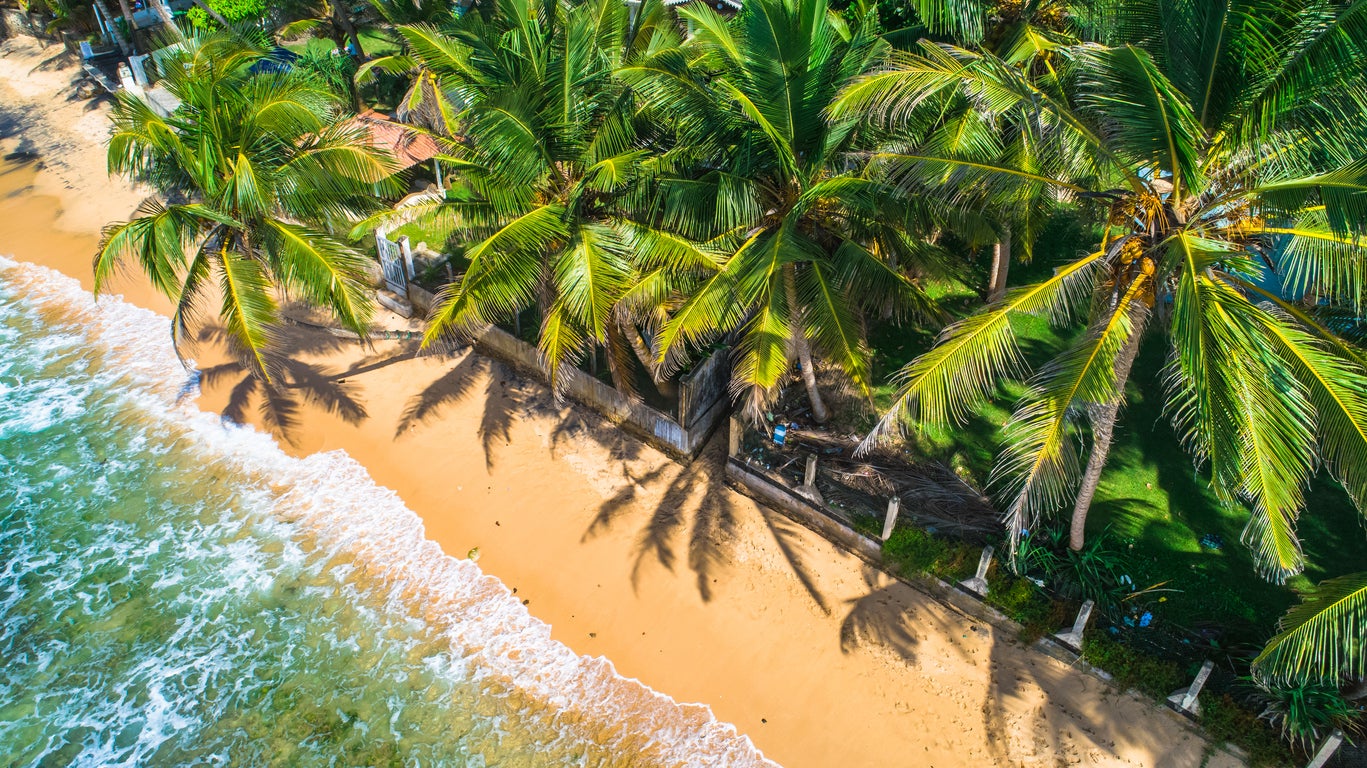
{"x":813,"y":236}
{"x":1223,"y":144}
{"x":545,"y":144}
{"x":266,"y":171}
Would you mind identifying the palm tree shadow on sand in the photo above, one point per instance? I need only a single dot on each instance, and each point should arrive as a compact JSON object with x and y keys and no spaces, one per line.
{"x":881,"y":618}
{"x":698,"y":508}
{"x":503,"y":394}
{"x":294,"y":382}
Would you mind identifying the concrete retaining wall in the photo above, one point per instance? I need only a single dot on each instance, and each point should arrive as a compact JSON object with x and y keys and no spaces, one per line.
{"x":655,"y":427}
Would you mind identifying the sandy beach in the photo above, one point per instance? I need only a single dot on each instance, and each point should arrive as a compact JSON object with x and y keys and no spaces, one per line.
{"x":681,"y":582}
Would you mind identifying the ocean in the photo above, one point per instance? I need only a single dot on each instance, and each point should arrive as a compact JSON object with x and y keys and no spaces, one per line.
{"x":175,"y":590}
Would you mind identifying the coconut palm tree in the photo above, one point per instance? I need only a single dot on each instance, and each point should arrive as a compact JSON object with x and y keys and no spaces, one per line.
{"x":544,"y":145}
{"x":255,"y":173}
{"x":814,"y":237}
{"x":1223,"y":148}
{"x":1322,"y":639}
{"x":1026,"y":34}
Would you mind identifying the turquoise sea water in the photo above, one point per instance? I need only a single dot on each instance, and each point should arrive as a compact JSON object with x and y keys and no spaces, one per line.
{"x":175,"y":591}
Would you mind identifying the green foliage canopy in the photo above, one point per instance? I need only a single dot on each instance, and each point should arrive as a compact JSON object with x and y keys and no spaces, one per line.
{"x":256,"y":173}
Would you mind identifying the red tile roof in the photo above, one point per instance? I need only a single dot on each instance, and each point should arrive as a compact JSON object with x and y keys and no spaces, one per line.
{"x":408,"y":146}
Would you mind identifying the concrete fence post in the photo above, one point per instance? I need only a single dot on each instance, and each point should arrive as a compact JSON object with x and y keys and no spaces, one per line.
{"x":1073,"y":637}
{"x":978,"y":584}
{"x":890,"y":520}
{"x":1327,"y":749}
{"x":1186,"y":700}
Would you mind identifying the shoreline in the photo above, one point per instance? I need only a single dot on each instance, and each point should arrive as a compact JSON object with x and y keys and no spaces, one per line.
{"x":681,"y":582}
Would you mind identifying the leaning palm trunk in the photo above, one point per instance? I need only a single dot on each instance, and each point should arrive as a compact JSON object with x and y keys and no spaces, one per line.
{"x":1103,"y":418}
{"x":218,"y":17}
{"x":164,"y":13}
{"x":804,"y":349}
{"x":344,"y":23}
{"x":1001,"y":263}
{"x":647,"y":359}
{"x":125,"y":47}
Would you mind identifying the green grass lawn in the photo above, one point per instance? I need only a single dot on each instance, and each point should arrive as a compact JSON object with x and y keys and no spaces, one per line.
{"x":417,"y":233}
{"x":376,"y":42}
{"x":1152,"y":499}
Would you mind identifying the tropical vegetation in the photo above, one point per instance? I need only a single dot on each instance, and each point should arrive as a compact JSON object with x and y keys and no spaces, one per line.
{"x":257,"y":179}
{"x":647,"y":184}
{"x":1204,"y":144}
{"x":814,"y":235}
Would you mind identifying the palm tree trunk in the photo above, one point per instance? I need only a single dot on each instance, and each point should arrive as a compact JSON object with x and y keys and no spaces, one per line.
{"x":1103,"y":418}
{"x":167,"y":19}
{"x":218,"y":17}
{"x":1001,"y":263}
{"x":340,"y":18}
{"x":125,"y":47}
{"x":647,"y":358}
{"x":804,"y":349}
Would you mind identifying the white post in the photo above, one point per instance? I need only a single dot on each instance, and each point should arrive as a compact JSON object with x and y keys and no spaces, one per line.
{"x":127,"y":82}
{"x":139,"y":67}
{"x":810,"y":477}
{"x":1185,"y":700}
{"x":890,"y":521}
{"x":1073,"y":637}
{"x":99,"y":22}
{"x":407,"y":250}
{"x":1326,"y":750}
{"x":978,"y":584}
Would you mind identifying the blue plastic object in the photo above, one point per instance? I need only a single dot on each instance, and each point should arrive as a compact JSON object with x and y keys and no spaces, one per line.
{"x":780,"y":434}
{"x":1146,"y":619}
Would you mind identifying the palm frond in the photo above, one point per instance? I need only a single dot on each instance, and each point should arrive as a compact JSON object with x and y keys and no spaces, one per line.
{"x":1323,"y":638}
{"x":1038,"y":469}
{"x":969,"y":358}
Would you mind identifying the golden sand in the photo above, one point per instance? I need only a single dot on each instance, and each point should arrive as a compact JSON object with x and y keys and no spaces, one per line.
{"x":681,"y":582}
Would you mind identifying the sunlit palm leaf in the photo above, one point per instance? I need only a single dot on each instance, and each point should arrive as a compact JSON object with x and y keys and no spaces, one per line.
{"x":1322,"y":638}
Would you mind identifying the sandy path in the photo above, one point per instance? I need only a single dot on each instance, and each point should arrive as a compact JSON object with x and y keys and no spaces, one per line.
{"x":681,"y":582}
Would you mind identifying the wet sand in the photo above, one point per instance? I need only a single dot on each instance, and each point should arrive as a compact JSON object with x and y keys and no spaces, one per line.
{"x":681,"y":582}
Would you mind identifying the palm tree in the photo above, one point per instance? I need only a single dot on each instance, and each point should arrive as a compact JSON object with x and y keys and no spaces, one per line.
{"x":266,"y":173}
{"x":332,"y":17}
{"x":545,"y":144}
{"x":1027,"y":34}
{"x":814,"y":238}
{"x":1322,"y":639}
{"x":1223,"y":145}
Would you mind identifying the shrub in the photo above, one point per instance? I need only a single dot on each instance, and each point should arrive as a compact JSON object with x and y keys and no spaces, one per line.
{"x":1095,"y":573}
{"x":1225,"y":721}
{"x":913,"y":550}
{"x":1306,"y":711}
{"x":1131,"y":668}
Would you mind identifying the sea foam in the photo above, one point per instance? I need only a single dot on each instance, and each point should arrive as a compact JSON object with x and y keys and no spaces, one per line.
{"x":366,"y":532}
